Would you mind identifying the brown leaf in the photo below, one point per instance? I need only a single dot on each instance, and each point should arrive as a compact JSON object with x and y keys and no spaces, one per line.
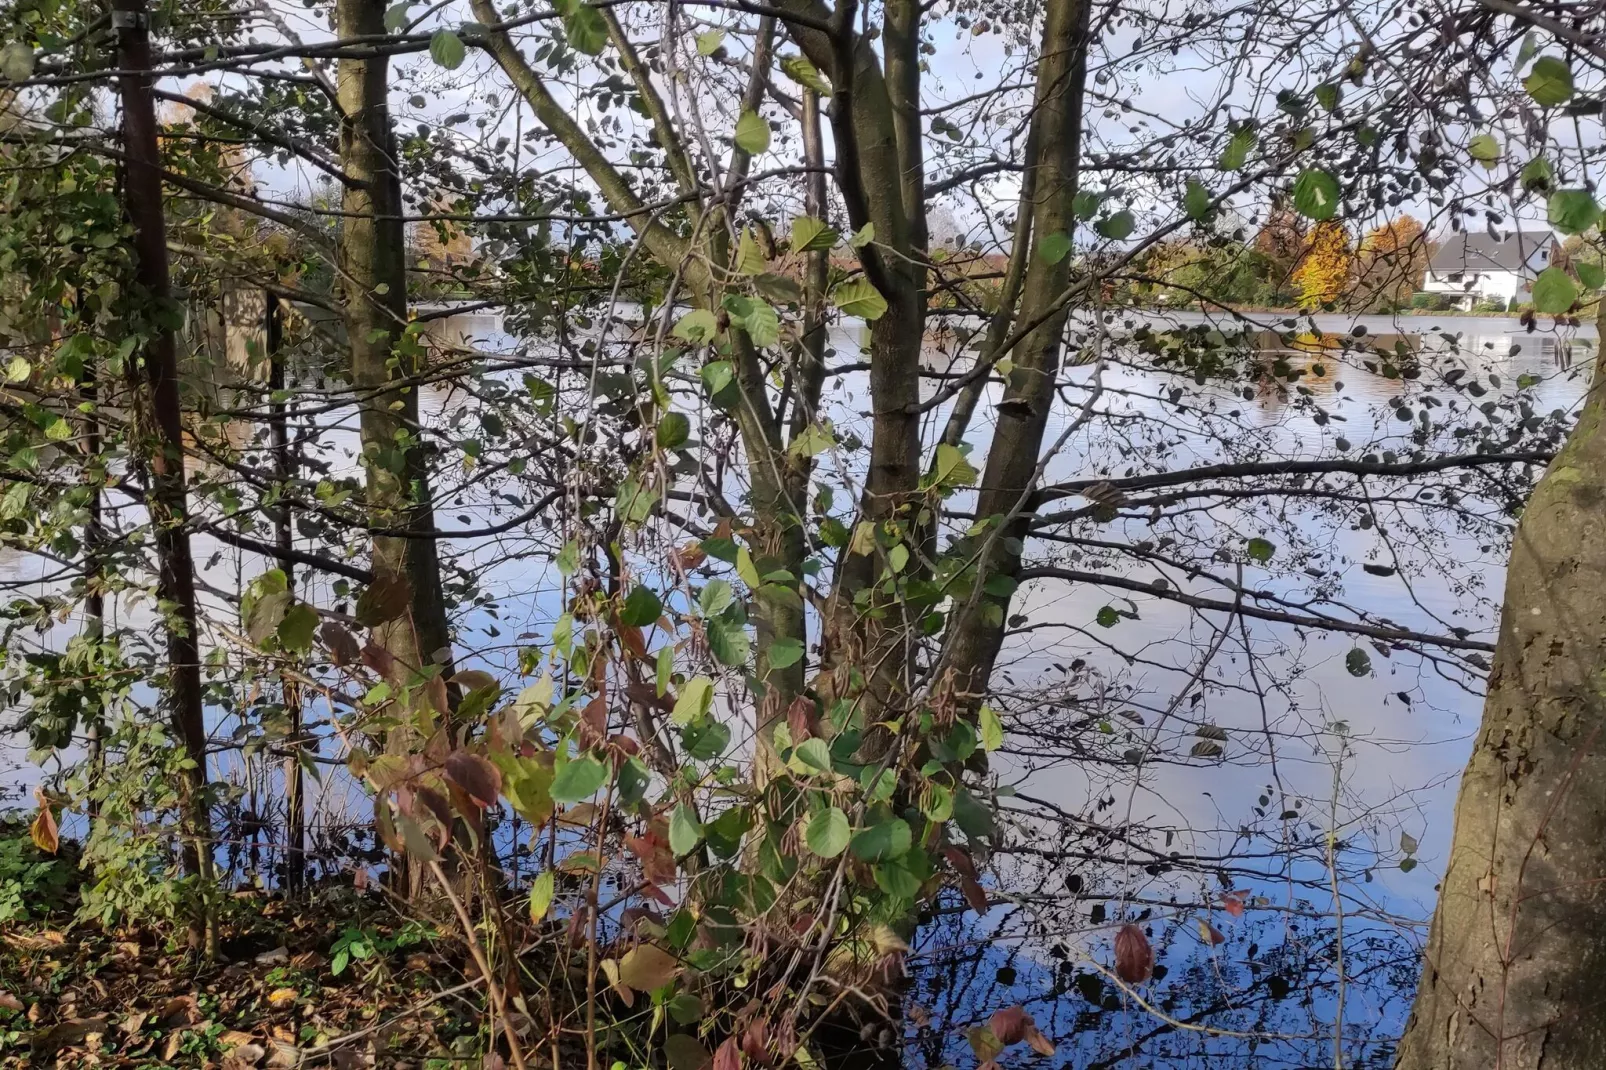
{"x":687,"y":557}
{"x":984,"y":1043}
{"x":685,"y":1052}
{"x":9,"y":1002}
{"x":647,"y":695}
{"x":728,"y":1056}
{"x":180,"y":1010}
{"x":481,"y":780}
{"x":648,"y":967}
{"x":1134,"y":955}
{"x":975,"y":894}
{"x":657,"y":860}
{"x":1233,"y":902}
{"x":45,"y":835}
{"x":630,"y":638}
{"x":341,"y":643}
{"x":378,"y":659}
{"x":387,"y":598}
{"x":594,"y":724}
{"x":1038,"y":1042}
{"x":802,"y":719}
{"x":435,"y":691}
{"x":1010,"y":1024}
{"x":1210,"y":934}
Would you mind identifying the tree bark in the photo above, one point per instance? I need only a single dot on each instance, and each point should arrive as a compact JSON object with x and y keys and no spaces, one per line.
{"x":161,"y":436}
{"x":1515,"y":971}
{"x":374,"y":303}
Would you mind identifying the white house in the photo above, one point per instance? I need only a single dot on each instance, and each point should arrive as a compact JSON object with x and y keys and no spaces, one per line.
{"x":1473,"y":268}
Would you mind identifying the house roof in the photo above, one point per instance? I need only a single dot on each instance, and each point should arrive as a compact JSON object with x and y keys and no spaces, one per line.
{"x":1483,"y":252}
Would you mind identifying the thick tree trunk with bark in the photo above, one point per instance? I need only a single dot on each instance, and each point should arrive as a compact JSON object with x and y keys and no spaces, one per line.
{"x":160,"y":432}
{"x":1515,"y":969}
{"x":373,"y":282}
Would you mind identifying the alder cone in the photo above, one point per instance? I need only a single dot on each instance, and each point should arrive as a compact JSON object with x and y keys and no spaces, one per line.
{"x":1134,"y":956}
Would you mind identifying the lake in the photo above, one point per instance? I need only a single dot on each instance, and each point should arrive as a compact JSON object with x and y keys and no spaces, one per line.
{"x":1162,"y":754}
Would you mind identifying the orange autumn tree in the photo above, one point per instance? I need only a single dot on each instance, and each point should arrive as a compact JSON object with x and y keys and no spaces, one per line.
{"x":1323,"y":274}
{"x":1393,"y":260}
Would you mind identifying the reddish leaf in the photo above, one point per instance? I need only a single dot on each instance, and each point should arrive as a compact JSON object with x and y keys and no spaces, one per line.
{"x":687,"y":557}
{"x":435,"y":689}
{"x":652,"y":891}
{"x":341,"y":643}
{"x":1233,"y":902}
{"x":962,"y":863}
{"x":802,"y":719}
{"x":756,"y":1042}
{"x":1010,"y":1024}
{"x":647,"y":695}
{"x":481,"y":780}
{"x":1210,"y":934}
{"x":975,"y":895}
{"x":625,"y":745}
{"x":45,"y":835}
{"x":728,"y":1056}
{"x":1134,"y":955}
{"x":359,"y":879}
{"x":657,"y":860}
{"x":9,"y":1002}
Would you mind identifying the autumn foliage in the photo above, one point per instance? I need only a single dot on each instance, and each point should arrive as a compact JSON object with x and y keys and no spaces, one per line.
{"x":1322,"y":276}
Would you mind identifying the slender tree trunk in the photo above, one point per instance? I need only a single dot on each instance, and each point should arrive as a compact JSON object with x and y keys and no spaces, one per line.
{"x":1012,"y":456}
{"x":374,"y":300}
{"x":1515,"y":970}
{"x":160,"y":428}
{"x":94,"y":575}
{"x":295,"y":816}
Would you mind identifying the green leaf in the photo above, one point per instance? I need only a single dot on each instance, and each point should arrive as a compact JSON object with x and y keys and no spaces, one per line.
{"x":641,"y":608}
{"x":953,"y":468}
{"x":805,"y":74}
{"x":777,"y":288}
{"x":446,"y":49}
{"x":634,"y":777}
{"x":1052,"y":248}
{"x":972,"y":815}
{"x":1115,"y":227}
{"x":717,"y":375}
{"x":713,"y":599}
{"x":992,"y":729}
{"x":864,"y":236}
{"x":696,"y":696}
{"x":1086,"y":204}
{"x":265,"y":612}
{"x":674,"y":428}
{"x":578,"y":779}
{"x":1108,"y":617}
{"x":1196,"y":200}
{"x":814,"y":753}
{"x":1358,"y":662}
{"x":295,"y":630}
{"x":541,"y":892}
{"x":1328,"y":95}
{"x":1550,"y":82}
{"x":1591,"y":275}
{"x":697,"y":326}
{"x":812,"y":441}
{"x":1236,"y":154}
{"x":784,"y":653}
{"x":1316,"y":194}
{"x":1259,"y":550}
{"x":887,"y":840}
{"x":752,"y":133}
{"x":749,"y":257}
{"x":396,"y":15}
{"x":1554,"y":292}
{"x":1538,"y":175}
{"x":586,"y":31}
{"x":685,"y":832}
{"x":812,"y":235}
{"x":1572,"y":211}
{"x":709,"y":42}
{"x":859,"y":298}
{"x":16,"y":62}
{"x":761,"y":323}
{"x":746,"y":570}
{"x":728,"y":642}
{"x":1484,"y":148}
{"x":828,"y":832}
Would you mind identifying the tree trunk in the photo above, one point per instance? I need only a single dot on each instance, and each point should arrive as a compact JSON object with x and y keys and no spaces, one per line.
{"x":160,"y":433}
{"x":295,"y":815}
{"x":374,"y":302}
{"x":1012,"y":457}
{"x":1515,"y":969}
